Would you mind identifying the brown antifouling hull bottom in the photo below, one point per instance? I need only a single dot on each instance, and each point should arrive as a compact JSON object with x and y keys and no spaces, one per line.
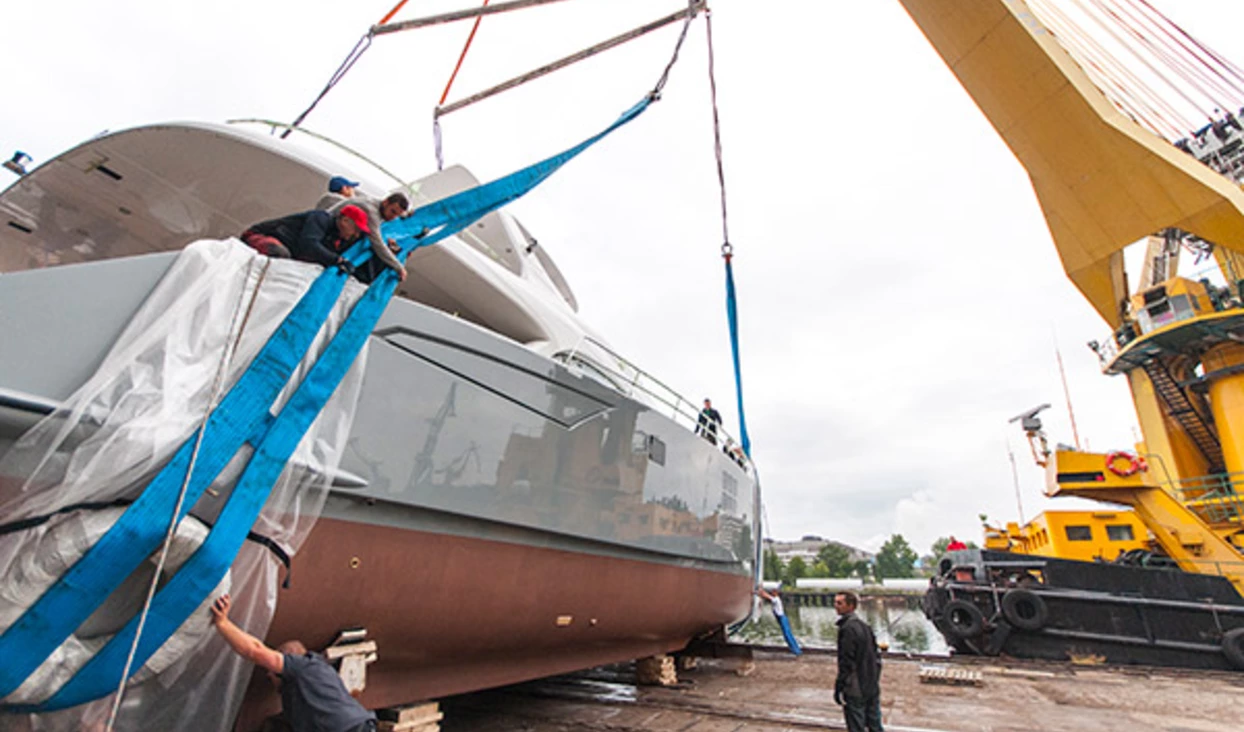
{"x":452,"y":614}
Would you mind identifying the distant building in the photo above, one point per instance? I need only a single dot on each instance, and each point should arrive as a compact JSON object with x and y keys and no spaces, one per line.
{"x":808,"y":547}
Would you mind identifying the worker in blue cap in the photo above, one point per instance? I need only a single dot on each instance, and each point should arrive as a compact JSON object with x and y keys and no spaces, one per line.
{"x":339,"y":189}
{"x":342,"y":192}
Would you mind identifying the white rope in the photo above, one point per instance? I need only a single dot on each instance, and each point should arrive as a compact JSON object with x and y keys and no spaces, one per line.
{"x":222,"y":369}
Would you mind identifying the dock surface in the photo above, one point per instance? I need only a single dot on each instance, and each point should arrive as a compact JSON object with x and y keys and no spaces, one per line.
{"x":785,"y":693}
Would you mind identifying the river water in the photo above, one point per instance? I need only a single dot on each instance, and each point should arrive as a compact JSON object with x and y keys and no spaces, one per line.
{"x":897,"y":621}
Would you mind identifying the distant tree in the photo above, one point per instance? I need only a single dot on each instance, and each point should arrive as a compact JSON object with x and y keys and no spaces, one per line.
{"x":862,"y":569}
{"x":896,"y":558}
{"x":819,"y":570}
{"x":837,"y":560}
{"x":795,"y":569}
{"x":773,"y":566}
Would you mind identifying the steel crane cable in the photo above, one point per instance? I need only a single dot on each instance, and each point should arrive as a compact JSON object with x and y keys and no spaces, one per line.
{"x":1120,"y":79}
{"x":355,"y":54}
{"x":1097,"y":64}
{"x":1224,"y":63}
{"x":1122,"y":86}
{"x":1213,"y":73}
{"x":687,"y":15}
{"x":727,"y":249}
{"x":436,"y":117}
{"x":1155,"y":70}
{"x":1170,"y":57}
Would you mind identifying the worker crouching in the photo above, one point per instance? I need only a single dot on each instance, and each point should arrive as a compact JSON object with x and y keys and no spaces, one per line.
{"x":316,"y":236}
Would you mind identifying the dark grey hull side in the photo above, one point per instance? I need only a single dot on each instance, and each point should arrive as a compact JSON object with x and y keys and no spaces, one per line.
{"x":452,"y":418}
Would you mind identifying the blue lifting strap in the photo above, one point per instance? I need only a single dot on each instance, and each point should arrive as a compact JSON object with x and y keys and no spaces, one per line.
{"x":83,"y":588}
{"x":243,"y":414}
{"x":732,"y":314}
{"x":789,"y":636}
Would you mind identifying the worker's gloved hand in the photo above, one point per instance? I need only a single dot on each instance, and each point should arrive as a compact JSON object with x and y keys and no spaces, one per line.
{"x":837,"y":697}
{"x":345,"y":266}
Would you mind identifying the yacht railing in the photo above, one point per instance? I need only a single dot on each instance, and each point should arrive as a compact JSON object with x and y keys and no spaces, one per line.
{"x":634,"y":382}
{"x":325,"y":139}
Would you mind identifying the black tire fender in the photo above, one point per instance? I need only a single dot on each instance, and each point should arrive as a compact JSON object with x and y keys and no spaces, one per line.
{"x":963,"y":619}
{"x":1025,"y":609}
{"x":1233,"y":647}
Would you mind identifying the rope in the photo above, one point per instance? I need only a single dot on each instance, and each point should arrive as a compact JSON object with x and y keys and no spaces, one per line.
{"x":226,"y":357}
{"x":462,"y":56}
{"x":726,"y":249}
{"x":1166,"y":24}
{"x":1117,"y":82}
{"x":436,"y":139}
{"x":389,"y":16}
{"x":1175,"y":62}
{"x":693,"y":7}
{"x":1187,"y":73}
{"x":359,"y":49}
{"x":436,"y":113}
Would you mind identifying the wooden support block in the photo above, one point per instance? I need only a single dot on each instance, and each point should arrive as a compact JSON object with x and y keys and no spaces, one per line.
{"x":410,"y":727}
{"x":332,"y":653}
{"x":656,"y":671}
{"x":395,"y":727}
{"x":951,"y":676}
{"x":410,"y":718}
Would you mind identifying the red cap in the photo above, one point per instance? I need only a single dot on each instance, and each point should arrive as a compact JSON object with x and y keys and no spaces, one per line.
{"x":356,"y":214}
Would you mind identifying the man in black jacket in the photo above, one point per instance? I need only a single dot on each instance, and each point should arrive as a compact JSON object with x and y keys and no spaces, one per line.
{"x":313,"y":699}
{"x":311,"y":236}
{"x":858,"y":687}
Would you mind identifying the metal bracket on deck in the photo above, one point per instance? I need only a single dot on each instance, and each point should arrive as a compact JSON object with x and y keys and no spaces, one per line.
{"x":354,"y":654}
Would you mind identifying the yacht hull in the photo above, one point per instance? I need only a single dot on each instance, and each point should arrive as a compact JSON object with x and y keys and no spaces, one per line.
{"x":497,"y":516}
{"x":452,"y":614}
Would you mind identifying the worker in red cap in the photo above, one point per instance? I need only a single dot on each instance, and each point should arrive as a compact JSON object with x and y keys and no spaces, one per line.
{"x":311,"y":236}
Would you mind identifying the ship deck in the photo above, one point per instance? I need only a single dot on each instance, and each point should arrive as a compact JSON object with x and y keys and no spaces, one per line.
{"x":787,"y":693}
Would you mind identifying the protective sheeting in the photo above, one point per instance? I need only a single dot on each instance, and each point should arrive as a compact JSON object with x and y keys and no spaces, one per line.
{"x":191,"y":340}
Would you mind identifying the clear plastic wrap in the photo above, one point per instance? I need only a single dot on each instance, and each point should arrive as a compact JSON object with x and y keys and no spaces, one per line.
{"x":191,"y":340}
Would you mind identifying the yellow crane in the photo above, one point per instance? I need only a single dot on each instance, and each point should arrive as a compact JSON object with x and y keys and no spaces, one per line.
{"x":1105,"y":182}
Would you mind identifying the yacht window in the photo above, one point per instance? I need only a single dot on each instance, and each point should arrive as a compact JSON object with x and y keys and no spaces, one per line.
{"x":656,"y":450}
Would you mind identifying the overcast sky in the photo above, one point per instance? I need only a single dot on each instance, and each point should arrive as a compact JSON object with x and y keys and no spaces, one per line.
{"x":900,"y":297}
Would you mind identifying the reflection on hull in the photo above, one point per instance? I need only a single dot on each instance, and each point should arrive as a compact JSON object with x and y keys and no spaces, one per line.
{"x":452,"y":614}
{"x":898,"y":621}
{"x":486,"y":429}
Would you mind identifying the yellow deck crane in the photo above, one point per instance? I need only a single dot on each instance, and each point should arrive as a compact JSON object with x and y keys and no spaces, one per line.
{"x":1104,"y":182}
{"x":1107,"y":176}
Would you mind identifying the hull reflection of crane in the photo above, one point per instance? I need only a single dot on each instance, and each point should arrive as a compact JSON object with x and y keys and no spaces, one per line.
{"x":423,"y":461}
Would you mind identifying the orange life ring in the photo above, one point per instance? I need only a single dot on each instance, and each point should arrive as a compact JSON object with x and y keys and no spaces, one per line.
{"x":1135,"y":464}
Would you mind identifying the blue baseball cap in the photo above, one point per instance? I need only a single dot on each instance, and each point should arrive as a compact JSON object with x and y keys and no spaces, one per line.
{"x":337,"y":182}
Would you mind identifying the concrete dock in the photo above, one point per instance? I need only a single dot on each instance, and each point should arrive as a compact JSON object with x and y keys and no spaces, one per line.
{"x":779,"y":692}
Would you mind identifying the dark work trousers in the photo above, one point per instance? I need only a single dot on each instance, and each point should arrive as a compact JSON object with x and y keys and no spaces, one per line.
{"x":863,"y":713}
